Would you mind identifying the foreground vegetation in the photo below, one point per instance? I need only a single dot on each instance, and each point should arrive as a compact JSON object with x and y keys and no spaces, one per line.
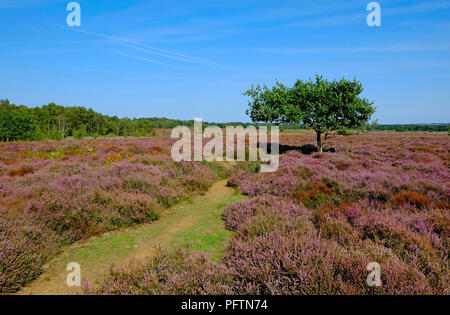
{"x":195,"y":223}
{"x":309,"y":228}
{"x":314,"y":226}
{"x":55,"y":193}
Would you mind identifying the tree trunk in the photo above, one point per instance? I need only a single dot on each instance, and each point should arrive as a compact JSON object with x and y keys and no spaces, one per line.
{"x":319,"y":141}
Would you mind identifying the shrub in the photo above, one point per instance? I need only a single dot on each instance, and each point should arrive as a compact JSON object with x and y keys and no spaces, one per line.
{"x":440,"y":222}
{"x":253,"y":167}
{"x":241,"y":213}
{"x":411,"y":197}
{"x":22,"y":171}
{"x":344,"y":132}
{"x":312,"y":193}
{"x":174,"y":273}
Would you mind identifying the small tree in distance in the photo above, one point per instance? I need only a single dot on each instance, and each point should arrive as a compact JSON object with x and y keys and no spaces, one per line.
{"x":319,"y":104}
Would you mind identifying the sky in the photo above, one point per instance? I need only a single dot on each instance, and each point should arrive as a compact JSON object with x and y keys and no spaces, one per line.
{"x":194,"y":58}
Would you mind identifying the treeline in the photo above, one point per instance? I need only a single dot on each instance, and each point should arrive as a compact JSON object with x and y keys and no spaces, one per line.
{"x":397,"y":127}
{"x":57,"y":123}
{"x":414,"y":127}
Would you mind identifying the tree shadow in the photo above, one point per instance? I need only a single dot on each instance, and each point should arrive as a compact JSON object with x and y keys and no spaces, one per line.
{"x":306,"y":149}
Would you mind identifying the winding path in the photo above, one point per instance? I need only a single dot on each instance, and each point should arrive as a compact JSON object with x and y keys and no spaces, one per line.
{"x":196,"y":224}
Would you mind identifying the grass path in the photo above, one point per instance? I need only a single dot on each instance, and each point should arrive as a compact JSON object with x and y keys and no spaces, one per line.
{"x":197,"y":224}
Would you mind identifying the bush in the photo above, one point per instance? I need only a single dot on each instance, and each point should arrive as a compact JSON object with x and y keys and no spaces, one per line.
{"x":22,"y":171}
{"x":413,"y":198}
{"x":173,"y":273}
{"x":253,"y":167}
{"x":344,"y":132}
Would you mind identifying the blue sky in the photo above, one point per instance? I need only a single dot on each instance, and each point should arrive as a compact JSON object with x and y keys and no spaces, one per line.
{"x":194,"y":58}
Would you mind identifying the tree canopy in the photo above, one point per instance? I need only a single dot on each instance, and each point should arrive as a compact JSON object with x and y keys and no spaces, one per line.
{"x":57,"y":122}
{"x":319,"y":104}
{"x":15,"y":125}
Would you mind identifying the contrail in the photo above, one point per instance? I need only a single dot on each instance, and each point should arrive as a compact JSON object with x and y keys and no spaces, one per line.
{"x":138,"y":57}
{"x":160,"y":54}
{"x":151,"y":49}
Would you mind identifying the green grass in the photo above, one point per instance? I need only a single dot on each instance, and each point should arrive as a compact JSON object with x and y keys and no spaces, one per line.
{"x":208,"y":235}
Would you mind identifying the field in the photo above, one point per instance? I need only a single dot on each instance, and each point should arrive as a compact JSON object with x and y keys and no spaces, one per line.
{"x":312,"y":227}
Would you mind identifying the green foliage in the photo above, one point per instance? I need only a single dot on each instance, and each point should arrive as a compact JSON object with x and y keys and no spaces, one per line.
{"x":444,"y":127}
{"x":413,"y":127}
{"x":57,"y":122}
{"x":344,"y":132}
{"x":253,"y":167}
{"x":79,"y":134}
{"x":15,"y":124}
{"x":220,"y":171}
{"x":318,"y":104}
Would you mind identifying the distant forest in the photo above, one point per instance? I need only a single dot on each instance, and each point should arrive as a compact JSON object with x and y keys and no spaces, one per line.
{"x":55,"y":122}
{"x":414,"y":127}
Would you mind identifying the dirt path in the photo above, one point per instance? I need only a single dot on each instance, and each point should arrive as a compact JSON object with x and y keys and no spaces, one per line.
{"x":197,"y":224}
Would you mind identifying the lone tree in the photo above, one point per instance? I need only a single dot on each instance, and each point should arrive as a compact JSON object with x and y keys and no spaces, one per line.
{"x":319,"y":104}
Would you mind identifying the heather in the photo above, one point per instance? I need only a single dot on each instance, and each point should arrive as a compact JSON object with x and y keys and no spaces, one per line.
{"x":313,"y":226}
{"x":378,"y":193}
{"x":171,"y":273}
{"x":56,"y":193}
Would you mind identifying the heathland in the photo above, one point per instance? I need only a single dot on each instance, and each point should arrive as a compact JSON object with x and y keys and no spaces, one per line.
{"x":312,"y":227}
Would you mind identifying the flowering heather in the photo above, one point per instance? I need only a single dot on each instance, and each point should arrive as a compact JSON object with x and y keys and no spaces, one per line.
{"x":313,"y":226}
{"x":169,"y":273}
{"x":56,"y":193}
{"x":386,"y":191}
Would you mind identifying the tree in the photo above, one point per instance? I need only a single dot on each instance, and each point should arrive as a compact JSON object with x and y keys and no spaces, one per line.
{"x":16,"y":125}
{"x":318,"y":104}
